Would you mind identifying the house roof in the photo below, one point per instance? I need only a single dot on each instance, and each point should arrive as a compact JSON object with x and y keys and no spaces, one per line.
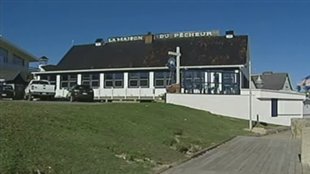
{"x":215,"y":50}
{"x":17,"y":50}
{"x":49,"y":67}
{"x":273,"y":81}
{"x":8,"y":75}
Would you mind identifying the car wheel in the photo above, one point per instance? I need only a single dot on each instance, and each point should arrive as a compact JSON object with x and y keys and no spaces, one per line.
{"x":29,"y":97}
{"x":51,"y":98}
{"x":71,"y":99}
{"x":25,"y":97}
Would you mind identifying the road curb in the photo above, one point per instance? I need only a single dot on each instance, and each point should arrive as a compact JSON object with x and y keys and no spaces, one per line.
{"x":195,"y":155}
{"x":273,"y":131}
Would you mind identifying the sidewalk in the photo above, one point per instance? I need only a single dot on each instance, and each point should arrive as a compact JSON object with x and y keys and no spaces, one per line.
{"x":275,"y":153}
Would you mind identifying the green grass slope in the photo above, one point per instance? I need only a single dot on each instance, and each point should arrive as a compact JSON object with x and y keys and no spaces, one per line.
{"x":104,"y":138}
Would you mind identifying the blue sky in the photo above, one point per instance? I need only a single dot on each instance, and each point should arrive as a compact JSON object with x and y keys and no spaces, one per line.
{"x":279,"y":31}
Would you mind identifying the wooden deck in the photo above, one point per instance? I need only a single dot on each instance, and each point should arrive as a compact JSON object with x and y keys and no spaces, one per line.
{"x":274,"y":154}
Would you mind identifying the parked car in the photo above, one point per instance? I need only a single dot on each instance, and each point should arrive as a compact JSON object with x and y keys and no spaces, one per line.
{"x":39,"y":89}
{"x":80,"y":93}
{"x":7,"y":91}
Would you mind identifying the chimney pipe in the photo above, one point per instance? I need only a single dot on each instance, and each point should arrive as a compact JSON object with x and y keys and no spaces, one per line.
{"x":99,"y":42}
{"x":230,"y":34}
{"x":148,"y":39}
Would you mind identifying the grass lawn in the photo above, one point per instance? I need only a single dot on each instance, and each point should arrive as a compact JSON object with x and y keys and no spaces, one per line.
{"x":104,"y":138}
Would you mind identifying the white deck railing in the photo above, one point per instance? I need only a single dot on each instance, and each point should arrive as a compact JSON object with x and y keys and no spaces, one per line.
{"x":120,"y":93}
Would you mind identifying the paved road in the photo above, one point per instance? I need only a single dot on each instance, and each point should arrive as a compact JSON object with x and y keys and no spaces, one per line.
{"x":274,"y":154}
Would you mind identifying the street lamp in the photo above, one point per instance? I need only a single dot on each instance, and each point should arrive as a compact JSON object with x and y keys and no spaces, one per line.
{"x":177,"y":54}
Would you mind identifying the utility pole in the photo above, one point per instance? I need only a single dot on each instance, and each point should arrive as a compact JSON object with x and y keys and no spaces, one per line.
{"x":250,"y":95}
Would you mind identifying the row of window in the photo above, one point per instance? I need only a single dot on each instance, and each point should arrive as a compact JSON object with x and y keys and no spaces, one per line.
{"x":115,"y":80}
{"x":4,"y":58}
{"x":193,"y":81}
{"x":211,"y":82}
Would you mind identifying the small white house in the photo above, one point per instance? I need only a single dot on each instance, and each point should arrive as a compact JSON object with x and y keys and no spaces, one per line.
{"x":307,"y":108}
{"x":269,"y":106}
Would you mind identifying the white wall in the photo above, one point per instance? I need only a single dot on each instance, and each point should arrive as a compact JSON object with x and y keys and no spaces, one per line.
{"x":290,"y":105}
{"x":61,"y":93}
{"x":111,"y":93}
{"x":307,"y":110}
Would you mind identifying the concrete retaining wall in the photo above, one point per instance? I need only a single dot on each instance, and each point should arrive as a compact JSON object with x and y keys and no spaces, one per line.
{"x":305,"y":147}
{"x":298,"y":124}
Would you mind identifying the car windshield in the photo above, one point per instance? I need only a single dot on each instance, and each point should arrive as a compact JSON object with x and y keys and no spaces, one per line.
{"x":7,"y":87}
{"x":82,"y":87}
{"x":40,"y":82}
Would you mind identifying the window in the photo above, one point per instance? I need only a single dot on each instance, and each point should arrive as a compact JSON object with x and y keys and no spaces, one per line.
{"x":138,"y":79}
{"x":91,"y":80}
{"x":163,"y":79}
{"x":68,"y":80}
{"x":51,"y":78}
{"x":3,"y":55}
{"x":274,"y":107}
{"x":114,"y":80}
{"x":211,"y":81}
{"x":230,"y":82}
{"x":193,"y":81}
{"x":18,"y":60}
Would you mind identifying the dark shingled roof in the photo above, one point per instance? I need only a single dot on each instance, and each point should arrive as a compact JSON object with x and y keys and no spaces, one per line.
{"x":49,"y":67}
{"x":216,"y":50}
{"x":8,"y":75}
{"x":272,"y":81}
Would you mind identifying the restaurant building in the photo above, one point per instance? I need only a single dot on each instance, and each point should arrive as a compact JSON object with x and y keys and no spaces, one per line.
{"x":136,"y":66}
{"x":214,"y":74}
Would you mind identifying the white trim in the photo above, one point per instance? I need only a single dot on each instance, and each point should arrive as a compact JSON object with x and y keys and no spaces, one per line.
{"x":79,"y":79}
{"x":57,"y":82}
{"x":151,"y":79}
{"x":213,"y":66}
{"x":100,"y":70}
{"x":125,"y":80}
{"x":101,"y":80}
{"x":276,"y":91}
{"x":138,"y":68}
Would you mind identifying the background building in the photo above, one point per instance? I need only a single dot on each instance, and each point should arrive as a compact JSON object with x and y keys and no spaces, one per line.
{"x":14,"y":65}
{"x":272,"y":81}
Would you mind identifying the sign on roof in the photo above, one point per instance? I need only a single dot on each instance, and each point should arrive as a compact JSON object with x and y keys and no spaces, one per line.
{"x":186,"y":34}
{"x":165,"y":36}
{"x":126,"y":38}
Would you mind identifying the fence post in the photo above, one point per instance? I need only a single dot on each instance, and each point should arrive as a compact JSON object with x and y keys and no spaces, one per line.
{"x":112,"y":91}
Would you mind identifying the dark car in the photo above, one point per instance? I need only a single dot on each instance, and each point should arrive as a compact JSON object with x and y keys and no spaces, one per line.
{"x":80,"y":93}
{"x":7,"y":91}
